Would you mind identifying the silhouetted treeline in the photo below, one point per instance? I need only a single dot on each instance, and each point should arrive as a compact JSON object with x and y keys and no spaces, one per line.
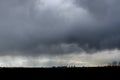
{"x":114,"y":63}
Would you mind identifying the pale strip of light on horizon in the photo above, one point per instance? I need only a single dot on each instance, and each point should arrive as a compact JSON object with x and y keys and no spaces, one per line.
{"x":83,"y":59}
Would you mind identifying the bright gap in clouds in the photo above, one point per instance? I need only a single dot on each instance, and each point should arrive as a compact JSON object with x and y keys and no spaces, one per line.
{"x":101,"y":58}
{"x":52,"y":2}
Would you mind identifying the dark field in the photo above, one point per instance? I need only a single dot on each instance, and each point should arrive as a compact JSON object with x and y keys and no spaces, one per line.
{"x":63,"y":69}
{"x":64,"y":72}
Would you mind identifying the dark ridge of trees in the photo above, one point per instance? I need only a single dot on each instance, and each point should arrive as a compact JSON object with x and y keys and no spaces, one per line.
{"x":114,"y":63}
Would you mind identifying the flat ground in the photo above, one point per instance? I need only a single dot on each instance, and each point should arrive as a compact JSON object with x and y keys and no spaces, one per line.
{"x":62,"y":72}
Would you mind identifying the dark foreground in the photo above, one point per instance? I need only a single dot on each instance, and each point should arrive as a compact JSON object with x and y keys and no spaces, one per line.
{"x":62,"y":69}
{"x":61,"y":72}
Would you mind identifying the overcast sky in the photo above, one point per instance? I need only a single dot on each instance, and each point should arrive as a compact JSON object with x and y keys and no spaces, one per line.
{"x":35,"y":32}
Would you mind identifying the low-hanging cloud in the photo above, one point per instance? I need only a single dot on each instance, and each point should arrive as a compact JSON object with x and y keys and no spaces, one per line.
{"x":58,"y":27}
{"x":102,"y":58}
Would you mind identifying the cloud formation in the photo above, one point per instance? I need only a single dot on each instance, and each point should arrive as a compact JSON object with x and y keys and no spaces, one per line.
{"x":58,"y":27}
{"x":101,"y":58}
{"x":106,"y":13}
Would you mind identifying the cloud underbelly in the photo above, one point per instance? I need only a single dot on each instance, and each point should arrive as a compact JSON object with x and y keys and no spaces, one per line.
{"x":58,"y":27}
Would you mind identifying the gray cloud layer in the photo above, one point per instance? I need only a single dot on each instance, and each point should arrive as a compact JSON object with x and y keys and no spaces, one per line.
{"x":106,"y":12}
{"x":48,"y":26}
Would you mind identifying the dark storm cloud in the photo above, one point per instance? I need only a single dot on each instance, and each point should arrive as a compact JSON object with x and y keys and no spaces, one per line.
{"x":106,"y":32}
{"x":27,"y":27}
